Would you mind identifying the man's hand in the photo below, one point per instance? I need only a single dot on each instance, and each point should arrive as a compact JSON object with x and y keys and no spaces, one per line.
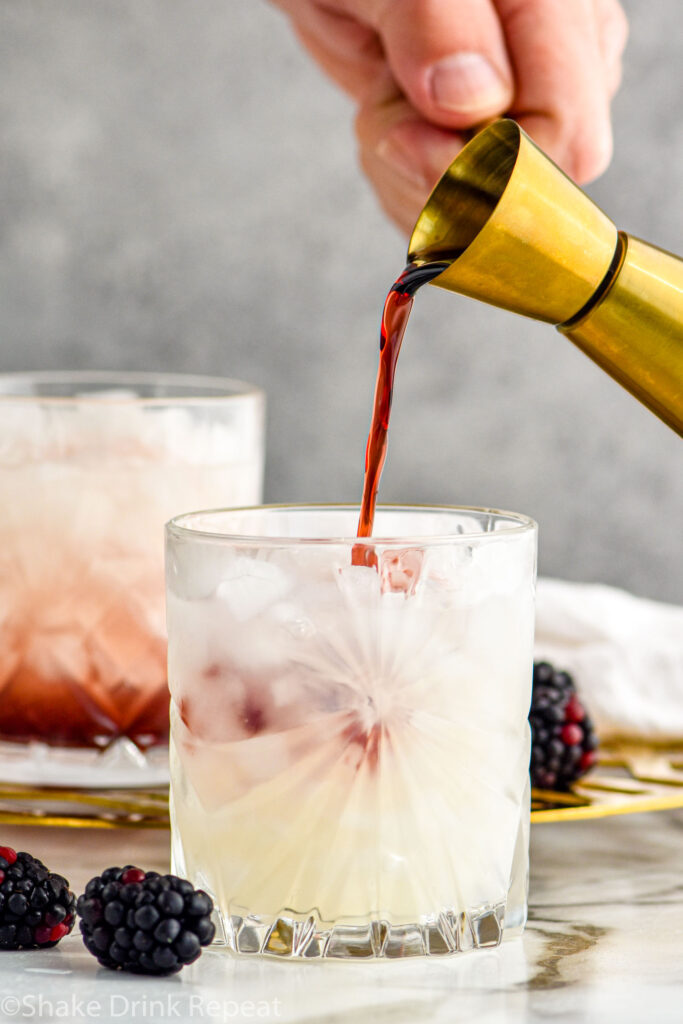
{"x":424,"y":72}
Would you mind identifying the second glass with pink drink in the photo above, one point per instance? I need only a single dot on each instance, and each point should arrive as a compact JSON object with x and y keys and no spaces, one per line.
{"x":91,"y":466}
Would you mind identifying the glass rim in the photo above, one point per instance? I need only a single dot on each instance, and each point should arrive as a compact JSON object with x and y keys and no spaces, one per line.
{"x":175,"y":528}
{"x":223,"y":388}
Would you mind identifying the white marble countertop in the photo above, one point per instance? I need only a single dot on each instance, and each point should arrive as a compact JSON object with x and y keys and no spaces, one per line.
{"x":604,"y":944}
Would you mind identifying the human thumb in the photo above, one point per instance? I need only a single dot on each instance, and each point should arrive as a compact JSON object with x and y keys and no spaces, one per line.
{"x":449,"y":58}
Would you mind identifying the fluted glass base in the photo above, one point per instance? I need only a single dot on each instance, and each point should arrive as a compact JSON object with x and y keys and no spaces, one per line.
{"x":310,"y":938}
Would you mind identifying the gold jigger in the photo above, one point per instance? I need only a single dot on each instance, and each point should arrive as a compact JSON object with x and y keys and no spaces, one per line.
{"x":519,"y":234}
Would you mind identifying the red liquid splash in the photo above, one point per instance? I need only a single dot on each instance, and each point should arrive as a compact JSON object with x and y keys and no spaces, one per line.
{"x":397,"y":306}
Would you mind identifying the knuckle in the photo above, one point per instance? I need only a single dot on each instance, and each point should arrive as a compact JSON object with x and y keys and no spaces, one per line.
{"x":361,"y":124}
{"x":620,"y":26}
{"x":366,"y":163}
{"x":614,"y":27}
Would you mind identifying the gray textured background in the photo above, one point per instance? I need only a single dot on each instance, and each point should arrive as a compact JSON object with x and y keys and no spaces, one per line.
{"x":180,"y":192}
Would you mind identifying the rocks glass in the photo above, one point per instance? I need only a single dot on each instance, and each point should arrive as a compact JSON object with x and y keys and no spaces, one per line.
{"x":349,"y":742}
{"x":91,"y":466}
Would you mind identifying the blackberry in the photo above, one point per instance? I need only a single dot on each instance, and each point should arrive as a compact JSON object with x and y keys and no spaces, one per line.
{"x":144,"y":922}
{"x":37,"y":908}
{"x":563,"y":740}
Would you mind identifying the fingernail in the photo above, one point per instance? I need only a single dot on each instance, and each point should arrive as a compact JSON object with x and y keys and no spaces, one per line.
{"x":467,"y":82}
{"x":402,"y":159}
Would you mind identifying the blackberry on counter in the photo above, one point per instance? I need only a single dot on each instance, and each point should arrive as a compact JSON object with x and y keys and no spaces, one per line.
{"x":563,"y":740}
{"x":144,"y":922}
{"x":37,"y":909}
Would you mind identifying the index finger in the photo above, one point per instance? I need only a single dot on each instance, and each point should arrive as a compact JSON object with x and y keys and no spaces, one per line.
{"x":561,"y":96}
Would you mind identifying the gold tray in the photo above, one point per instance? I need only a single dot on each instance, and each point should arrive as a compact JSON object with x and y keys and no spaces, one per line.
{"x":629,"y":778}
{"x":83,"y":808}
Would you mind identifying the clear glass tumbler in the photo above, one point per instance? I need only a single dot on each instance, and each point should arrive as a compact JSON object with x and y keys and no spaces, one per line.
{"x":349,"y":742}
{"x":91,"y":467}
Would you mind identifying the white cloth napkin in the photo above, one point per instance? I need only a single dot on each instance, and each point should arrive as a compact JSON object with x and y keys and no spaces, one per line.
{"x":624,"y":652}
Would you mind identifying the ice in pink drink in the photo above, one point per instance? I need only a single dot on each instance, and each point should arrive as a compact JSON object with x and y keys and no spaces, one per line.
{"x":349,"y":745}
{"x":86,"y":490}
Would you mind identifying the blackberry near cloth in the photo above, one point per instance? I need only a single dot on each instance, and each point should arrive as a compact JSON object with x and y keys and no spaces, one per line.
{"x":563,"y":740}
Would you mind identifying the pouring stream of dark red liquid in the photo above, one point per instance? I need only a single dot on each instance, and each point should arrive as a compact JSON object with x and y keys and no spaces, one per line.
{"x":395,"y":315}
